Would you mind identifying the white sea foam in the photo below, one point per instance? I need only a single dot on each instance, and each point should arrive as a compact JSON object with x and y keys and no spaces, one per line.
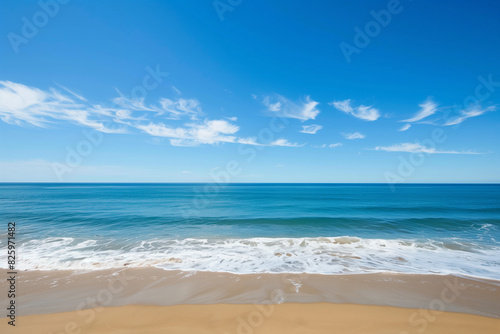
{"x":486,"y":227}
{"x":326,"y":255}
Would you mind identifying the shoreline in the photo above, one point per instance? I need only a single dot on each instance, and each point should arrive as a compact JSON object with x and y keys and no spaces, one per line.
{"x":153,"y":300}
{"x":44,"y":292}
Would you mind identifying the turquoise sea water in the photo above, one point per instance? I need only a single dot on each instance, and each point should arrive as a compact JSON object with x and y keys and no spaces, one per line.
{"x":244,"y":228}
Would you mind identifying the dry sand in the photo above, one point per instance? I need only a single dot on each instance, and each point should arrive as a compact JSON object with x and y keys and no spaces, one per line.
{"x":246,"y":319}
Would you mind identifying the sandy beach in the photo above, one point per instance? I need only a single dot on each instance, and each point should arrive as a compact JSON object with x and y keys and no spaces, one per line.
{"x":247,"y":318}
{"x":159,"y":301}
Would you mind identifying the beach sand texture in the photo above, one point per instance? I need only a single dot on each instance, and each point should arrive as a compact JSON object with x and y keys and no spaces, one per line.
{"x":244,"y":318}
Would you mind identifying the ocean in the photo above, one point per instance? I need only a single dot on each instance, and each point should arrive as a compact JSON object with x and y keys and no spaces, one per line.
{"x":256,"y":228}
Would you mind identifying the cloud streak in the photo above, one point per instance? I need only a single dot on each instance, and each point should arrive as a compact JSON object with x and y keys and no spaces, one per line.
{"x":311,"y":129}
{"x":284,"y":142}
{"x":472,"y":111}
{"x":171,"y":109}
{"x":418,"y":148}
{"x":405,"y":127}
{"x":283,"y":107}
{"x":427,"y":108}
{"x":23,"y":105}
{"x":327,"y":145}
{"x":354,"y":135}
{"x":366,"y":113}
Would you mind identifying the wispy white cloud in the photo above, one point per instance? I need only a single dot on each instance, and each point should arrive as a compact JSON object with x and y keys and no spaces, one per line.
{"x":208,"y":132}
{"x":430,"y":107}
{"x":311,"y":129}
{"x":176,"y":90}
{"x":418,"y":148}
{"x":134,"y":104}
{"x":181,"y":107}
{"x":271,"y":106}
{"x":249,"y":141}
{"x":367,"y":113}
{"x":405,"y":127}
{"x":472,"y":111}
{"x":283,"y":107}
{"x":172,"y":109}
{"x":279,"y":142}
{"x":183,"y":142}
{"x":328,"y":145}
{"x":354,"y":135}
{"x":24,"y":105}
{"x":284,"y":142}
{"x":79,"y":97}
{"x":427,"y":108}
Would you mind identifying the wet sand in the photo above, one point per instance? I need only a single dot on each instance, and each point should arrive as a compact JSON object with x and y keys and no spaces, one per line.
{"x":151,"y":300}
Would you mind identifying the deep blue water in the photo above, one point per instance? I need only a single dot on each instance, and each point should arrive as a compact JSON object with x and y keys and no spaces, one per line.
{"x":115,"y":222}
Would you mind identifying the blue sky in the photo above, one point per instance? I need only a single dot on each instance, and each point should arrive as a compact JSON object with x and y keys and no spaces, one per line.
{"x":250,"y":91}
